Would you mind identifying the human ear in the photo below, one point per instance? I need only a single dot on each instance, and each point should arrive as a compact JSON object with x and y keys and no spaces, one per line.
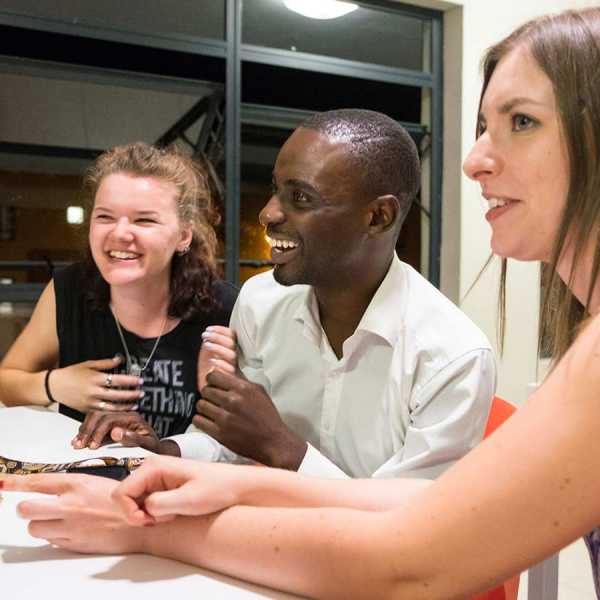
{"x":186,"y":239}
{"x":384,"y":212}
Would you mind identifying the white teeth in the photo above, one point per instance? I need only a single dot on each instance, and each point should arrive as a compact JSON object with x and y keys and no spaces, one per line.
{"x":496,"y":202}
{"x":282,"y":244}
{"x":121,"y":254}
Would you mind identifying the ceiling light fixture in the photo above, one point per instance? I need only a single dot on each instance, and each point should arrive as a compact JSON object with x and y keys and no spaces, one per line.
{"x":320,"y":9}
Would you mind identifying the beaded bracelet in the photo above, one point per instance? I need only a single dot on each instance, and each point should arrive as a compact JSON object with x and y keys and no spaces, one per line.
{"x":47,"y":386}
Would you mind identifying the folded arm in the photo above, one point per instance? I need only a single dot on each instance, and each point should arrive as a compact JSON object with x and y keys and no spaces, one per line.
{"x":448,"y":416}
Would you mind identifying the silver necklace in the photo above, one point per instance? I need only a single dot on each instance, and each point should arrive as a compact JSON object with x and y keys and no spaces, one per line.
{"x":133,"y":368}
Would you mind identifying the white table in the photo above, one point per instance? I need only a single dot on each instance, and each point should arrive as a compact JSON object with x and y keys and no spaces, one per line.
{"x":31,"y":569}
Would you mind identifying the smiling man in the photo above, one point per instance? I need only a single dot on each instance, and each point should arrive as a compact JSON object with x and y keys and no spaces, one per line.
{"x":352,"y":363}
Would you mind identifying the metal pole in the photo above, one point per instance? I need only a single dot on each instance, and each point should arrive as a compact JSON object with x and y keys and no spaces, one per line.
{"x":233,"y":140}
{"x":437,"y":125}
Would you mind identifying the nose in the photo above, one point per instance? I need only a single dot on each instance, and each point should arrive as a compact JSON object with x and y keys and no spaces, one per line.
{"x":483,"y":161}
{"x":122,"y":230}
{"x":272,"y":212}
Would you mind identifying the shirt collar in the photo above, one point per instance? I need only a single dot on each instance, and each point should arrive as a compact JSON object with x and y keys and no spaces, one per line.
{"x":383,"y":315}
{"x":308,"y":312}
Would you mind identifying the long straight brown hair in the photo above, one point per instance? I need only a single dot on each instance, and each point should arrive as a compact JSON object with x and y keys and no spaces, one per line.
{"x":566,"y":46}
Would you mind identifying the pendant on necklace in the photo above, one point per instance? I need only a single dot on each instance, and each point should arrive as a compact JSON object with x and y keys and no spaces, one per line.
{"x":135,"y":369}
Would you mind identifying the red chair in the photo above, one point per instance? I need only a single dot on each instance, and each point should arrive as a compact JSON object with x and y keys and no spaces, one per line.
{"x":500,"y":411}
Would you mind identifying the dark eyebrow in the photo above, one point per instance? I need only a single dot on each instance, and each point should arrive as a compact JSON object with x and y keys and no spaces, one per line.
{"x":511,"y":104}
{"x":298,"y":183}
{"x":514,"y":102}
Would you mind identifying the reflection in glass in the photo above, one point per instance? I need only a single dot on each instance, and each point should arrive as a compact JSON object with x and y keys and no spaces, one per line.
{"x":369,"y":35}
{"x":321,"y":9}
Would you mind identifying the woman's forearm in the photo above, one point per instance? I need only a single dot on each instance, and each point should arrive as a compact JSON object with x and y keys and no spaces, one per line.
{"x":20,"y":388}
{"x":259,"y":486}
{"x":319,"y":553}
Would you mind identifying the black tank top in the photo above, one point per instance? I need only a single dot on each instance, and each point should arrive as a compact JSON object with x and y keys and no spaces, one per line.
{"x":169,"y":380}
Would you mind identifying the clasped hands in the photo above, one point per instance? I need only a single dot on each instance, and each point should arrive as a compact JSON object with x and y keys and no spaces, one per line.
{"x":91,"y":514}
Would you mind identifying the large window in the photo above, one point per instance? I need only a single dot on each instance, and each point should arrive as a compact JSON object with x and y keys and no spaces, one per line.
{"x":77,"y":77}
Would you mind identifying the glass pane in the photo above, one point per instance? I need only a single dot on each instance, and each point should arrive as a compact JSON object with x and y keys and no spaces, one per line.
{"x":367,"y":34}
{"x":295,"y":88}
{"x":87,"y":115}
{"x":187,"y":17}
{"x":51,"y":130}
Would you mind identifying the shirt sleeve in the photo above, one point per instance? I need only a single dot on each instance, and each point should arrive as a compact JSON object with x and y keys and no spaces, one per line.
{"x":447,"y":418}
{"x":197,"y":445}
{"x":315,"y":464}
{"x":249,"y":361}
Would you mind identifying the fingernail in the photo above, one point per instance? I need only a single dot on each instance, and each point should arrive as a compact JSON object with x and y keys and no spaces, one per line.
{"x":213,"y":360}
{"x":142,"y":394}
{"x":209,"y":328}
{"x":94,"y":445}
{"x":210,"y":344}
{"x":141,"y":381}
{"x":135,"y":407}
{"x":118,"y":357}
{"x":206,"y":335}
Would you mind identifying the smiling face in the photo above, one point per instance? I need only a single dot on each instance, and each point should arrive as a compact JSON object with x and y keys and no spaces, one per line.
{"x":135,"y":229}
{"x":317,"y":217}
{"x":520,"y":159}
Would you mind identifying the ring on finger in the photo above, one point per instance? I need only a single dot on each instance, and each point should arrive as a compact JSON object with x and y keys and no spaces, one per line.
{"x":108,"y":380}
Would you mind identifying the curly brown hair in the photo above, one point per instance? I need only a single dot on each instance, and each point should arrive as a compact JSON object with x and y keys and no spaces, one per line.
{"x":193,"y":273}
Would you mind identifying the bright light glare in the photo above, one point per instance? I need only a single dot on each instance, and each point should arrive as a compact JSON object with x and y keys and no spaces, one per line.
{"x":74,"y":215}
{"x":320,"y":9}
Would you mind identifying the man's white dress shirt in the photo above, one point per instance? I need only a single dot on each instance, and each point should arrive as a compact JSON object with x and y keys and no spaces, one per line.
{"x":409,"y":397}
